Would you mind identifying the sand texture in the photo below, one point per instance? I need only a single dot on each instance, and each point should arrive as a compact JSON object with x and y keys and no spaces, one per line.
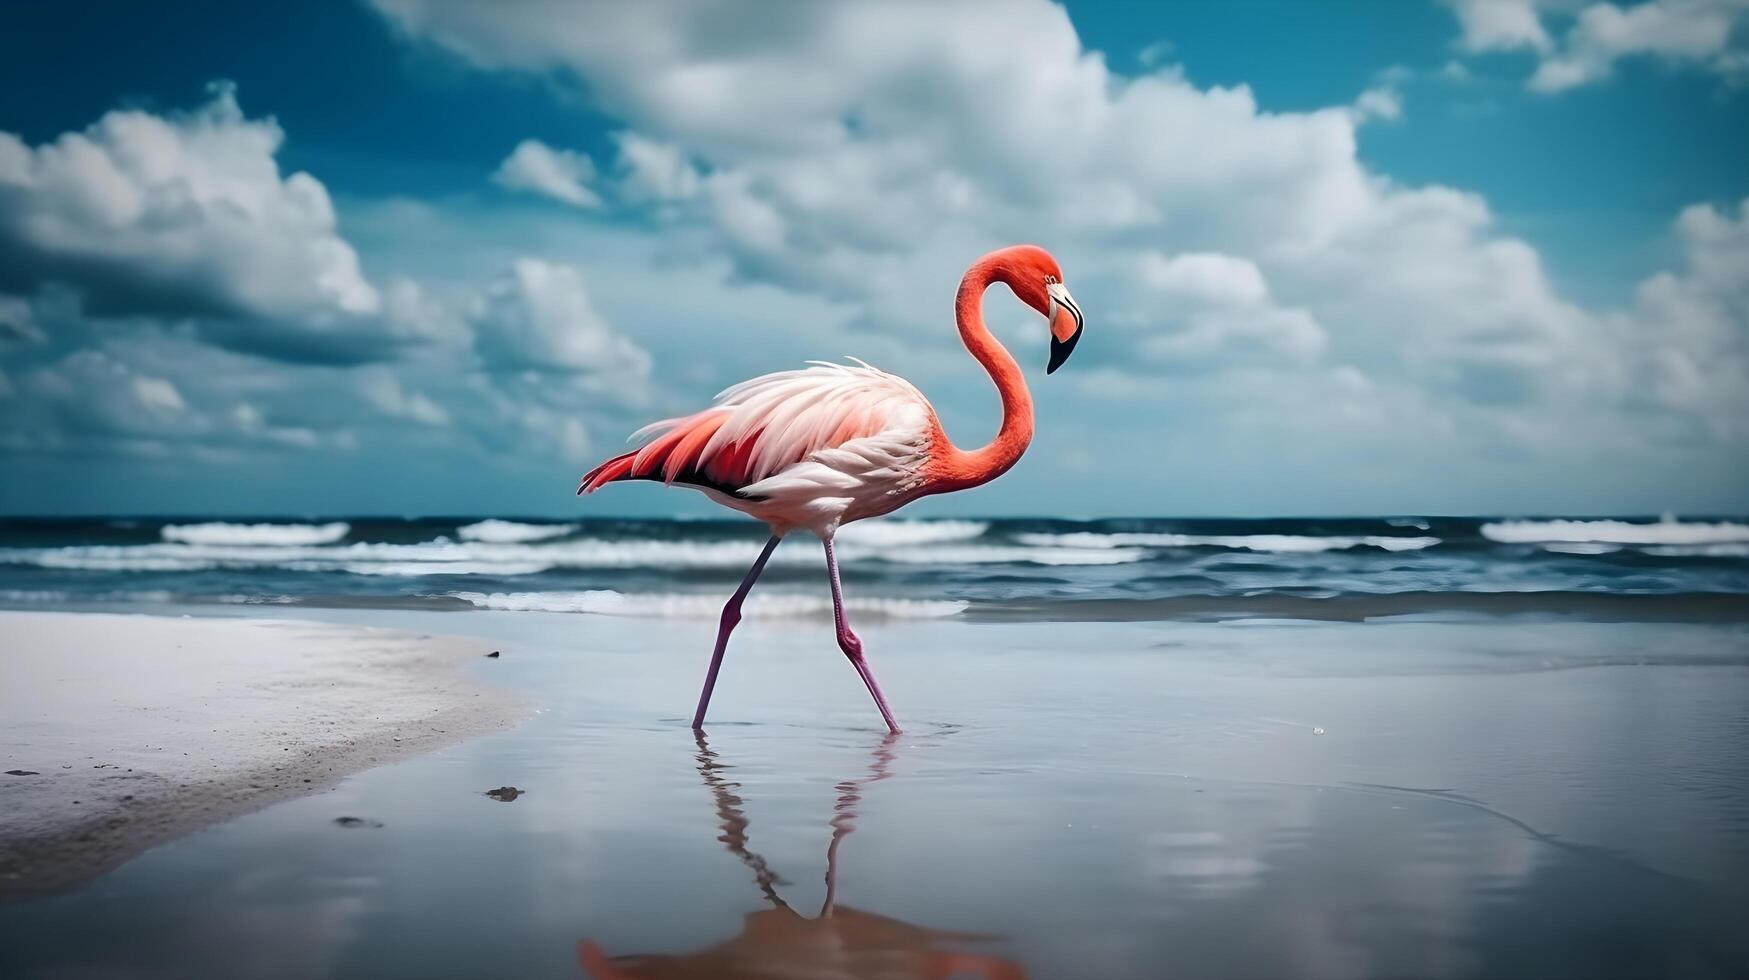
{"x":129,"y":731}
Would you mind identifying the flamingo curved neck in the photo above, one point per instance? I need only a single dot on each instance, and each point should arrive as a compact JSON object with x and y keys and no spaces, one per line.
{"x":955,"y":468}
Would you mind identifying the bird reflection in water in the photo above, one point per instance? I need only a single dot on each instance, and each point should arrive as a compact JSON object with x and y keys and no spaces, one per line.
{"x":839,"y":942}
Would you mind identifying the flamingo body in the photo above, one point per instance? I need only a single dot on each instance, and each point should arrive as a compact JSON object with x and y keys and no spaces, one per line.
{"x":828,"y":444}
{"x":814,"y":448}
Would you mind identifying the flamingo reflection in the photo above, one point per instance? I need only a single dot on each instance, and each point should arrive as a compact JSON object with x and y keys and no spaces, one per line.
{"x":840,"y":942}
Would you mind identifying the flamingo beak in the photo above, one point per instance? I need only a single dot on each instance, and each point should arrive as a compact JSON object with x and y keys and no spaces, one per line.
{"x":1065,"y":318}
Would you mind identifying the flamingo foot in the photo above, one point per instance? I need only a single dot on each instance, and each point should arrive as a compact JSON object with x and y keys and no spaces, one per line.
{"x":851,"y":644}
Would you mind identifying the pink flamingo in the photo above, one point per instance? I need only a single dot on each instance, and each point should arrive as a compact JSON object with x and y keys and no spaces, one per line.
{"x":833,"y":443}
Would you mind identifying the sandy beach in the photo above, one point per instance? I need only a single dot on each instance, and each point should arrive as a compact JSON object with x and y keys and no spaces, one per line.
{"x":122,"y":732}
{"x":1136,"y":799}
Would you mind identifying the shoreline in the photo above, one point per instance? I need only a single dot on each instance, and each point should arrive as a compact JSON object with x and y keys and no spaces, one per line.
{"x":135,"y":730}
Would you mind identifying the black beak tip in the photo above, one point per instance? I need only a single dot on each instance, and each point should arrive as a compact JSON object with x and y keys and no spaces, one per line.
{"x":1060,"y":351}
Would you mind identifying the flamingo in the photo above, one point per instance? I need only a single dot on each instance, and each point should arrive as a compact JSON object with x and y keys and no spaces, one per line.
{"x":819,"y":447}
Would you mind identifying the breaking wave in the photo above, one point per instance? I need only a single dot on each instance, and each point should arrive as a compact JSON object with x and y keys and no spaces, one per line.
{"x":445,"y":557}
{"x":219,"y":533}
{"x":1276,"y":543}
{"x":512,"y":532}
{"x":608,"y":602}
{"x":1668,"y":531}
{"x":887,"y":533}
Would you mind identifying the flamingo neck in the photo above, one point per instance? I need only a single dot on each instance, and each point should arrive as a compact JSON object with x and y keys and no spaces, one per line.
{"x":954,"y":468}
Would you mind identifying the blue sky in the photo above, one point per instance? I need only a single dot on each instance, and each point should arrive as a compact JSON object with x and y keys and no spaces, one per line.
{"x":408,"y":257}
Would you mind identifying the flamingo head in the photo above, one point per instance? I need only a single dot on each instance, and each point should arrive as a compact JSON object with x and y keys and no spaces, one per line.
{"x":1037,"y":280}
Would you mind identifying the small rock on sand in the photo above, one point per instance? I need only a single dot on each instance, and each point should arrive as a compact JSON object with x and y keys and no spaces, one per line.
{"x":22,"y":772}
{"x":494,"y":653}
{"x":505,"y":794}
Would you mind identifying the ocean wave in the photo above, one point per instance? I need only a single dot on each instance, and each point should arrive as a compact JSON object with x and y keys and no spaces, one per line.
{"x":888,"y":532}
{"x":510,"y":532}
{"x":59,"y":596}
{"x":1277,"y":543}
{"x":443,"y":556}
{"x":1010,"y":555}
{"x":110,"y":560}
{"x":1668,"y":531}
{"x":219,"y":533}
{"x":415,"y":569}
{"x":1361,"y":607}
{"x":1724,"y":549}
{"x":768,"y":605}
{"x":1580,"y":547}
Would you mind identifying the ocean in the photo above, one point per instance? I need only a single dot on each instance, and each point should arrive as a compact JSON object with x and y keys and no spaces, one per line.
{"x":1629,"y":568}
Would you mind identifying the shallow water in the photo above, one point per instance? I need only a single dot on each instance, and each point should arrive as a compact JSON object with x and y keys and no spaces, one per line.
{"x":1069,"y":800}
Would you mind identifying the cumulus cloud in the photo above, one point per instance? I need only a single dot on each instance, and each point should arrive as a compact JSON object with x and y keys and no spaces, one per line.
{"x":563,"y":175}
{"x":111,"y":397}
{"x":1494,"y":25}
{"x":538,"y":317}
{"x":654,"y":171}
{"x":382,"y":389}
{"x":188,"y":216}
{"x":1688,"y":327}
{"x":862,"y":154}
{"x":18,"y":322}
{"x":1706,"y":34}
{"x":1213,"y":307}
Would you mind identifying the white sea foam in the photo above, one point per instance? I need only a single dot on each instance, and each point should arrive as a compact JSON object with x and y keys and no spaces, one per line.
{"x":414,"y":569}
{"x":1280,"y":543}
{"x":1000,"y":555}
{"x":1723,"y":549}
{"x":1580,"y":547}
{"x":888,"y":532}
{"x":768,"y":605}
{"x":511,"y":532}
{"x":442,"y":556}
{"x":57,"y":596}
{"x":1668,"y":531}
{"x":118,"y":561}
{"x":220,"y":533}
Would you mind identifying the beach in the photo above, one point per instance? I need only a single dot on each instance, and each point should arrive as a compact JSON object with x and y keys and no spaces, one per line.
{"x":125,"y":731}
{"x":1438,"y":796}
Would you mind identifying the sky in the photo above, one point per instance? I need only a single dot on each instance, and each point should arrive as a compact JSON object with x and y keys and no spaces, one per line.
{"x":419,"y":257}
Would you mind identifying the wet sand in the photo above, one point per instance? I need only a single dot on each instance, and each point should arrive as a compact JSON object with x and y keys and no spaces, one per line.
{"x":1405,"y":799}
{"x":121,"y":732}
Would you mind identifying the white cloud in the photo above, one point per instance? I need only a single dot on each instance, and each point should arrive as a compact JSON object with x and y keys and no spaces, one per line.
{"x":563,"y":175}
{"x":1380,"y":102}
{"x":1213,"y":307}
{"x":18,"y":322}
{"x":1498,"y":25}
{"x":654,"y":171}
{"x":188,"y":216}
{"x":1688,"y":328}
{"x":380,"y":388}
{"x":1706,"y":34}
{"x":866,"y":154}
{"x":538,"y":316}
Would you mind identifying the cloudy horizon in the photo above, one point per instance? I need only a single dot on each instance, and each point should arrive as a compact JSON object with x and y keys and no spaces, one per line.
{"x":427,"y":257}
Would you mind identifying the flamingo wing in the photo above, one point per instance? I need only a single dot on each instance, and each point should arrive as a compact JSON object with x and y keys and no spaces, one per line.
{"x":822,"y":428}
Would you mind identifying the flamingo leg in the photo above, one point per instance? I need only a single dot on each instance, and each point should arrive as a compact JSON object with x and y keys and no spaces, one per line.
{"x":731,"y":616}
{"x":850,"y":643}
